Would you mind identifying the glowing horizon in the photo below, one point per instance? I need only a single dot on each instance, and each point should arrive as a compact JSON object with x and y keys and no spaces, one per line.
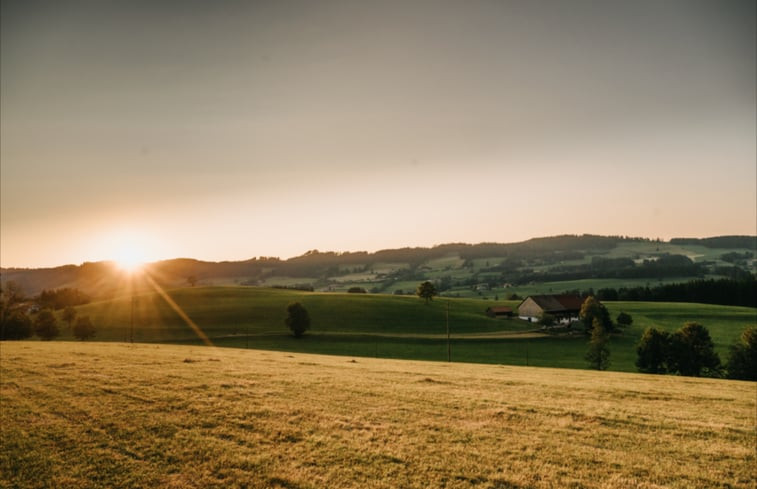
{"x":236,"y":130}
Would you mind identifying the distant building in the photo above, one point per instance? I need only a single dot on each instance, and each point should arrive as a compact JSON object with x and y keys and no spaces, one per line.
{"x":565,"y":308}
{"x":500,"y":312}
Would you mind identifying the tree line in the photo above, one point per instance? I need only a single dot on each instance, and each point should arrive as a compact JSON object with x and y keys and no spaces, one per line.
{"x":727,"y":292}
{"x":21,"y":317}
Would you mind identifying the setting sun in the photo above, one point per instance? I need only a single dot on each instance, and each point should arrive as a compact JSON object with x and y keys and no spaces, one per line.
{"x":129,"y":250}
{"x":129,"y":261}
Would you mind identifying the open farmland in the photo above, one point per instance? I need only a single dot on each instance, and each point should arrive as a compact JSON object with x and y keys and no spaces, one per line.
{"x":375,"y":325}
{"x":114,"y":415}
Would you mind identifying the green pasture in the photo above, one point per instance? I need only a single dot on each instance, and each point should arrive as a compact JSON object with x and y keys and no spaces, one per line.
{"x":377,"y":325}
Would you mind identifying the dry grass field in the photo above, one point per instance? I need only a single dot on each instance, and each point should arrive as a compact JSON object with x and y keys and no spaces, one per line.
{"x":114,"y":415}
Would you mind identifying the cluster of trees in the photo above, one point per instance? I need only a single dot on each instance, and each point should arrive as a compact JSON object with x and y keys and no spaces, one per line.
{"x":21,"y":318}
{"x":60,"y":298}
{"x":748,"y":242}
{"x":690,"y":351}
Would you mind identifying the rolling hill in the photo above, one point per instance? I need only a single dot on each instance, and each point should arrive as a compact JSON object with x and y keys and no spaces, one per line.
{"x":376,"y":325}
{"x":540,"y":265}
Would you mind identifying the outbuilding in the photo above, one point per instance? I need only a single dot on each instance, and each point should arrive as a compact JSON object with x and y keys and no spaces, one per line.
{"x":499,"y":312}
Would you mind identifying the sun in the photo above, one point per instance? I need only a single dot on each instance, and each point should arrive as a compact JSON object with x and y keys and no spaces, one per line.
{"x":129,"y":259}
{"x":129,"y":263}
{"x":130,"y":255}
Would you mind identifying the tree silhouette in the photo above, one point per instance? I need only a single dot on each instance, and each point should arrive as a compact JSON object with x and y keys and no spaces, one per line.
{"x":598,"y":355}
{"x":298,"y":319}
{"x":652,"y":351}
{"x":84,"y":329}
{"x":69,"y":314}
{"x":45,"y":325}
{"x":426,"y":290}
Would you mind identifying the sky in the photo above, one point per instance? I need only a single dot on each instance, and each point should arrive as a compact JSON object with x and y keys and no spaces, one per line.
{"x":227,"y":130}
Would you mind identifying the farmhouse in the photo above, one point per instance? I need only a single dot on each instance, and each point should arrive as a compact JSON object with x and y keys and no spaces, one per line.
{"x":564,"y":308}
{"x":499,"y":312}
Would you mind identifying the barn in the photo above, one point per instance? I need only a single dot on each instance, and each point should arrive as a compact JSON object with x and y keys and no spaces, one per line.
{"x":564,"y":307}
{"x":499,"y":312}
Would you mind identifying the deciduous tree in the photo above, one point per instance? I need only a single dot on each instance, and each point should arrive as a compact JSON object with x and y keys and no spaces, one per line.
{"x":84,"y":329}
{"x":45,"y":325}
{"x":692,"y":351}
{"x":426,"y":290}
{"x":742,"y":361}
{"x":652,"y":351}
{"x":69,"y":314}
{"x":15,"y":325}
{"x":298,"y":319}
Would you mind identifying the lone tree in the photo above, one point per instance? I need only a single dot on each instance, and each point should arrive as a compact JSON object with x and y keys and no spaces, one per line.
{"x":742,"y":362}
{"x":692,"y":351}
{"x":84,"y":329}
{"x":45,"y":325}
{"x":598,"y":355}
{"x":298,"y":319}
{"x":426,"y":290}
{"x":652,"y":351}
{"x":69,"y":314}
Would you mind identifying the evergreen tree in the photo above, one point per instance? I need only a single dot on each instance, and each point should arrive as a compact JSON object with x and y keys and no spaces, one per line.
{"x":598,"y":355}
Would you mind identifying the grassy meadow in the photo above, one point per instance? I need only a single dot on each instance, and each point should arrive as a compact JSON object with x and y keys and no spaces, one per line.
{"x":92,"y":415}
{"x":374,"y":325}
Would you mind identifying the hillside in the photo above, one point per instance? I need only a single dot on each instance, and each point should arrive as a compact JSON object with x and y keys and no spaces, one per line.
{"x":144,"y":416}
{"x":375,"y":325}
{"x":490,"y":270}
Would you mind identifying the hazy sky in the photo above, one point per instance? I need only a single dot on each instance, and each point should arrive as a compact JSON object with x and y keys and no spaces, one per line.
{"x":223,"y":130}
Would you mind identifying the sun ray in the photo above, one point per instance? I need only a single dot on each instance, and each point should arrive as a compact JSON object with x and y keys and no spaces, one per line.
{"x":197,"y":330}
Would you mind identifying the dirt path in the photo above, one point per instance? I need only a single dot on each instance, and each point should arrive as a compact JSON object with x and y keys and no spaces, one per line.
{"x":514,"y":335}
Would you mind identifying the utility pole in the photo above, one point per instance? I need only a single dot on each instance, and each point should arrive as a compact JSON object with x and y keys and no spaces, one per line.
{"x":131,"y":329}
{"x":526,"y":352}
{"x":449,"y":348}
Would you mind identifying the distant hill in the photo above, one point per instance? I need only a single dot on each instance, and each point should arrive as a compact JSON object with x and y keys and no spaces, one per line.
{"x":460,"y":269}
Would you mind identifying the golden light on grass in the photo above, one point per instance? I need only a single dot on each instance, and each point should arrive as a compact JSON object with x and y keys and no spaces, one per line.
{"x":186,"y":416}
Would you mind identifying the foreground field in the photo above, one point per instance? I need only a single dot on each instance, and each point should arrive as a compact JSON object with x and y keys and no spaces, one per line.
{"x":115,"y":415}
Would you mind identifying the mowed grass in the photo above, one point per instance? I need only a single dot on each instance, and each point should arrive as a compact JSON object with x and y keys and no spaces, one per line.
{"x":373,"y":325}
{"x":141,"y":416}
{"x":252,"y":310}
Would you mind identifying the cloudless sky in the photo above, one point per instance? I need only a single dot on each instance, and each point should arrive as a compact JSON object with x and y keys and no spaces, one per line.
{"x":224,"y":130}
